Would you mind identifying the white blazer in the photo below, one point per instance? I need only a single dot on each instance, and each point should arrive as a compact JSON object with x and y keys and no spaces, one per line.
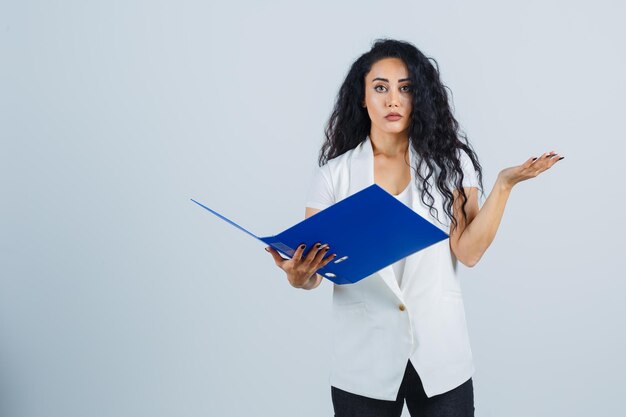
{"x":378,"y":326}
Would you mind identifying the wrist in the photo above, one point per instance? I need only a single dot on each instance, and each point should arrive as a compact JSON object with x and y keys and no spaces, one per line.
{"x":503,"y":185}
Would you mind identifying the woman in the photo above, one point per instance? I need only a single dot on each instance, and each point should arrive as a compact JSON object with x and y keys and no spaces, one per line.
{"x":400,"y":334}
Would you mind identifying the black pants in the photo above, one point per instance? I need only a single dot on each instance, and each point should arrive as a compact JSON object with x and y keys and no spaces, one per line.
{"x":458,"y":402}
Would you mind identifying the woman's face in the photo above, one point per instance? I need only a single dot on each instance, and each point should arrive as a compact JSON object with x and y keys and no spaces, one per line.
{"x":388,"y":90}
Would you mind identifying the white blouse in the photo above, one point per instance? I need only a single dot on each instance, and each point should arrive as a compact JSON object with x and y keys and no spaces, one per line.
{"x":398,"y":267}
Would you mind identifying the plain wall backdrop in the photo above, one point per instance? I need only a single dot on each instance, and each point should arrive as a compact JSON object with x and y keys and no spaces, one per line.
{"x":120,"y":297}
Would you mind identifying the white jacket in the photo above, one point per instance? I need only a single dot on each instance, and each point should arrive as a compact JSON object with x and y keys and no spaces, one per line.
{"x":378,"y":325}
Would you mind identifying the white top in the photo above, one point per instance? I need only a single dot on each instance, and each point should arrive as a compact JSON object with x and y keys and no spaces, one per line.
{"x":398,"y":267}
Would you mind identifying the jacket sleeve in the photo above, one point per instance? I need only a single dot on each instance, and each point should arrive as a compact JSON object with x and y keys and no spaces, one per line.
{"x":470,"y":176}
{"x":320,"y":192}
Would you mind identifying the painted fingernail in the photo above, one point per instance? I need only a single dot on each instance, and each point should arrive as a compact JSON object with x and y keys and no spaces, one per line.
{"x":267,"y":249}
{"x":534,"y":159}
{"x":302,"y":246}
{"x":318,"y":245}
{"x":561,"y":158}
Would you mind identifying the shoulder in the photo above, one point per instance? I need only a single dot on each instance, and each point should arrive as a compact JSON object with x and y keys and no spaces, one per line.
{"x":470,"y":174}
{"x":344,"y":157}
{"x":463,"y":156}
{"x":334,"y":167}
{"x":328,"y":180}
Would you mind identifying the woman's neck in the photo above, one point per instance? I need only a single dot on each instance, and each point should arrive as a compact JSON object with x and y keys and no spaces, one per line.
{"x":389,"y":144}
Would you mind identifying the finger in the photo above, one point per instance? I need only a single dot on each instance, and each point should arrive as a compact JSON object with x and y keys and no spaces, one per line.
{"x":529,"y":162}
{"x":549,"y":160}
{"x":327,"y":260}
{"x":545,"y":156}
{"x":541,"y":158}
{"x":312,"y":253}
{"x":553,"y":157}
{"x":556,"y":158}
{"x":321,"y":253}
{"x":297,"y":255}
{"x":540,"y":163}
{"x":277,"y":258}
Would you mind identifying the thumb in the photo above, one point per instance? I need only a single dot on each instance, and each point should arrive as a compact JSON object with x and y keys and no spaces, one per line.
{"x":277,"y":258}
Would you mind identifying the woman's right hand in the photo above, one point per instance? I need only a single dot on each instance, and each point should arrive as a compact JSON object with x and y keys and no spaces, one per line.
{"x":300,"y":269}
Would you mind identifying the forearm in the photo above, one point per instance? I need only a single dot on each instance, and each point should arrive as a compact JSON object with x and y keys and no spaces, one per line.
{"x":479,"y":234}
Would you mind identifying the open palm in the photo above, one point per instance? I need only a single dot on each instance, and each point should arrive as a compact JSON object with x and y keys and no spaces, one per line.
{"x":529,"y":169}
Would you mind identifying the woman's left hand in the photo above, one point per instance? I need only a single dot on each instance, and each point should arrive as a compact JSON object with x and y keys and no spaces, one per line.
{"x":529,"y":169}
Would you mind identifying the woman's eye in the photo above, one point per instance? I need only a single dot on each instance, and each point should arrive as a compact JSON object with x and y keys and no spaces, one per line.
{"x":405,"y":88}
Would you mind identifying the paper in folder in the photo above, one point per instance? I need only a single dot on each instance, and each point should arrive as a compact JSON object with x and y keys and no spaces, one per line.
{"x":368,"y":231}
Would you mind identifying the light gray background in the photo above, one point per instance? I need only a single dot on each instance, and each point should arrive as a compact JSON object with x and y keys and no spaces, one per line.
{"x":120,"y":297}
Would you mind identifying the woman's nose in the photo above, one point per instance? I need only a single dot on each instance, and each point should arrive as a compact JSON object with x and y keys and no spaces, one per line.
{"x":392,"y":99}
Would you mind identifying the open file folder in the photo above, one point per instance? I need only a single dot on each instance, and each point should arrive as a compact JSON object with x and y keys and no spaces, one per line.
{"x":368,"y":231}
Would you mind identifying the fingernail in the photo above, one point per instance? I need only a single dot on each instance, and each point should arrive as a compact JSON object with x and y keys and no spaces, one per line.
{"x":318,"y":245}
{"x":302,"y":246}
{"x":267,"y":249}
{"x":561,"y":158}
{"x":534,"y":159}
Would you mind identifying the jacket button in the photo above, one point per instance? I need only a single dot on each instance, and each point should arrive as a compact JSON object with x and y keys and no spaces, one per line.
{"x":401,"y":307}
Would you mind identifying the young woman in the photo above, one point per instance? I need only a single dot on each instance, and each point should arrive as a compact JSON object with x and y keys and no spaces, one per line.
{"x":400,"y":334}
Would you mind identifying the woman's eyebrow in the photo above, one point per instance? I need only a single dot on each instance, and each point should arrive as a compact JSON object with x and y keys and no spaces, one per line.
{"x":386,"y":80}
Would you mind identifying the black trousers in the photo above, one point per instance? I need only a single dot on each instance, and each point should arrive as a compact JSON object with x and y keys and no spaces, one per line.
{"x":458,"y":402}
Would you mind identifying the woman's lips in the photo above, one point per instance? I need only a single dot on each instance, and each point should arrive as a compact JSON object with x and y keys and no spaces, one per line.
{"x":393,"y":118}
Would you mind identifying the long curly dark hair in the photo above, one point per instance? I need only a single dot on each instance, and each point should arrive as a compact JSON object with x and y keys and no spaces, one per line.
{"x":434,"y":133}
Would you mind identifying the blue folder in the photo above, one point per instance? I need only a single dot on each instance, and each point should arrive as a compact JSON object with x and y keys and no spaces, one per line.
{"x":368,"y":231}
